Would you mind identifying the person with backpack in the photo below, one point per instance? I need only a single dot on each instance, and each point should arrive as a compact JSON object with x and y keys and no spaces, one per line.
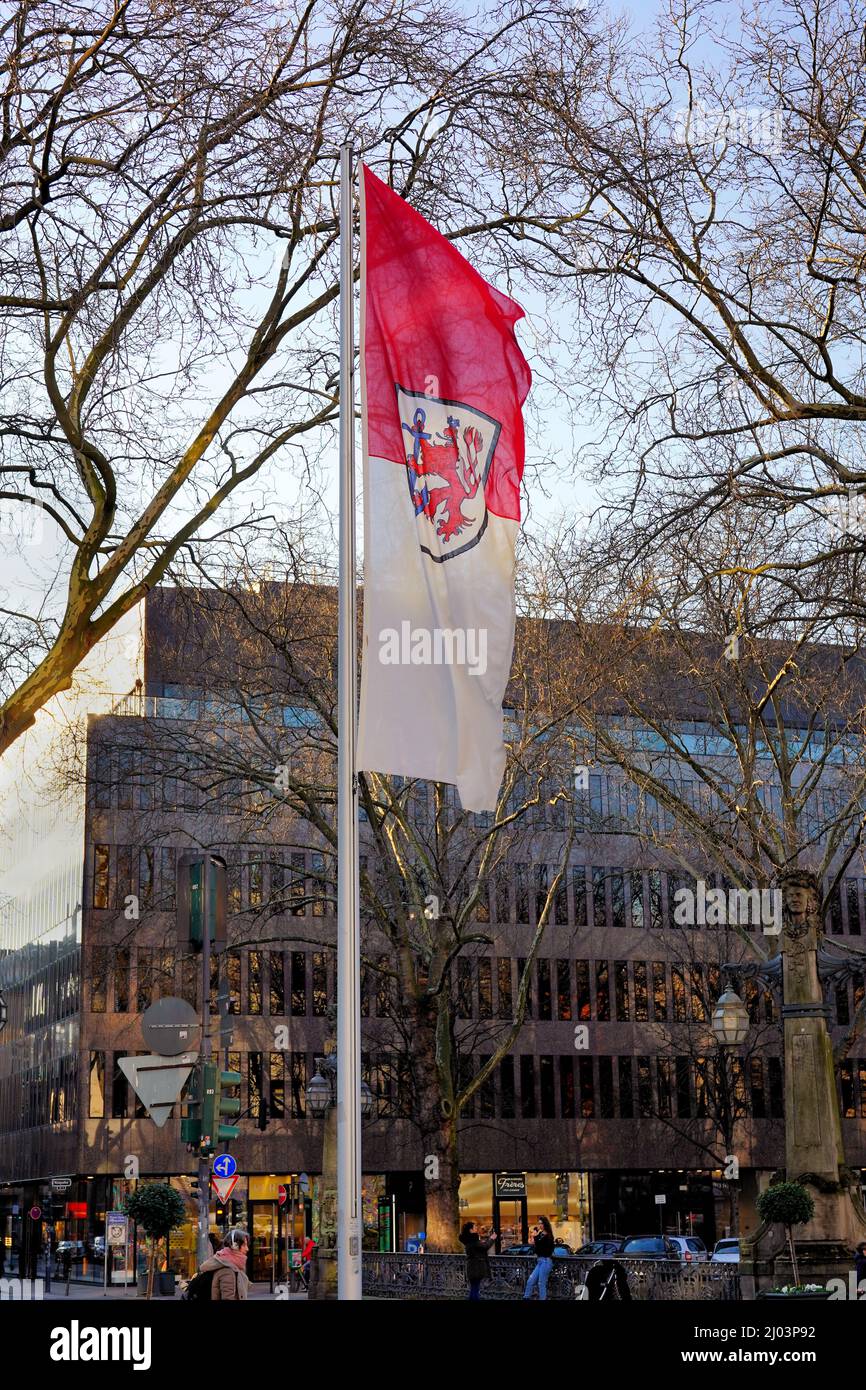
{"x":477,"y":1260}
{"x":223,"y":1276}
{"x":543,"y":1243}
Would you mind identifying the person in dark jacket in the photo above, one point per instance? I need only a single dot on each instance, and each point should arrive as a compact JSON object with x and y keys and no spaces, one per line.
{"x":542,"y":1241}
{"x":860,"y":1267}
{"x":477,"y":1259}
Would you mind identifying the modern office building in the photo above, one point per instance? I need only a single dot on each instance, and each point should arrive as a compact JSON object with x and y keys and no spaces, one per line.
{"x":602,"y":1108}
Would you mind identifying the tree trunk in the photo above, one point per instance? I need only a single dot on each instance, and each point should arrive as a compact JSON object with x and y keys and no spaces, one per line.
{"x":151,"y":1268}
{"x":442,"y":1192}
{"x":434,"y":1091}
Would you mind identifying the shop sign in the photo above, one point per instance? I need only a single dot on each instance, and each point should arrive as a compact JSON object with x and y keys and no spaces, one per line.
{"x":509,"y":1187}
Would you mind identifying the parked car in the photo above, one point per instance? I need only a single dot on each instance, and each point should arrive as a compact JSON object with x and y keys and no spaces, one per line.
{"x":71,"y":1249}
{"x":650,"y":1248}
{"x":559,"y":1249}
{"x":726,"y":1252}
{"x":692,"y":1249}
{"x":602,"y":1248}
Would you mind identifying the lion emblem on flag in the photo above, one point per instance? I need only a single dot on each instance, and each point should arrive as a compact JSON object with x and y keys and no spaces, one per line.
{"x":449,"y":448}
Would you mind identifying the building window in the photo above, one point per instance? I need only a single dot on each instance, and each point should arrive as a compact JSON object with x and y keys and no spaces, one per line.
{"x":620,"y":975}
{"x":98,"y":979}
{"x":299,"y":983}
{"x":121,"y":979}
{"x":843,"y":1014}
{"x":102,"y":779}
{"x":278,"y":884}
{"x":485,"y":987}
{"x":464,"y":987}
{"x":602,"y":991}
{"x":678,"y":989}
{"x":254,"y":982}
{"x":101,"y":875}
{"x":254,"y":1084}
{"x":777,"y":1102}
{"x":233,"y":980}
{"x":256,"y":871}
{"x":506,"y":1087}
{"x":168,"y":877}
{"x":605,"y":1088}
{"x":636,"y":881}
{"x":541,"y":890}
{"x":617,"y":898}
{"x":702,"y":1087}
{"x":96,"y":1103}
{"x":759,"y":1100}
{"x":277,"y":1076}
{"x":522,"y":892}
{"x":486,"y":1093}
{"x":663,"y":1073}
{"x":298,"y":1068}
{"x":547,"y":1087}
{"x":599,"y":899}
{"x":319,"y":885}
{"x":277,"y":983}
{"x":320,"y":983}
{"x":144,"y":979}
{"x":578,"y":885}
{"x":560,"y":903}
{"x":527,"y":1087}
{"x":684,"y":1094}
{"x":626,"y":1091}
{"x":644,"y":1087}
{"x":584,"y":1009}
{"x":587,"y":1091}
{"x":503,"y":908}
{"x":852,"y":901}
{"x":124,"y":886}
{"x":641,"y":1009}
{"x":699,"y":1010}
{"x":833,"y":918}
{"x":299,"y":885}
{"x":660,"y":992}
{"x":545,"y":1001}
{"x":655,"y":900}
{"x":383,"y":989}
{"x":563,"y":990}
{"x":119,"y":1091}
{"x":521,"y":971}
{"x":145,"y":877}
{"x":125,"y":774}
{"x":482,"y":906}
{"x":504,"y":985}
{"x":190,"y":973}
{"x":566,"y":1087}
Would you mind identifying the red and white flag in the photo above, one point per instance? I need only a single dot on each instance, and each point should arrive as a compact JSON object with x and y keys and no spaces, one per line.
{"x":442,"y":384}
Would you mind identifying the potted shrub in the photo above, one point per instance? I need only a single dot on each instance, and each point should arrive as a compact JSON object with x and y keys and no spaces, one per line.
{"x":789,"y":1204}
{"x":158,"y":1210}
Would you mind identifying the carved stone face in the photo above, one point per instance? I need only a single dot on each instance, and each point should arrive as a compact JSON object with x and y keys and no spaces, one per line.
{"x":796,"y":898}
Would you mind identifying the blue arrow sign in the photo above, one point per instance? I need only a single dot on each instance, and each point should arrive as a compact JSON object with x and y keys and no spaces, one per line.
{"x":224,"y":1165}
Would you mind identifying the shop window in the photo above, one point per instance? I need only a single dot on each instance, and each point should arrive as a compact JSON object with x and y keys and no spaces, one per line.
{"x":605,"y":1088}
{"x":545,"y":1001}
{"x":504,"y":986}
{"x":299,"y":984}
{"x":578,"y":886}
{"x":101,"y":875}
{"x":566,"y":1087}
{"x":621,"y":989}
{"x":563,"y":990}
{"x":276,"y":984}
{"x":547,"y":1087}
{"x":602,"y":991}
{"x":527,"y":1087}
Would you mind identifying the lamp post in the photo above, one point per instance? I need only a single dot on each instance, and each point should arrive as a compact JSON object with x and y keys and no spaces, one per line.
{"x":321,"y":1096}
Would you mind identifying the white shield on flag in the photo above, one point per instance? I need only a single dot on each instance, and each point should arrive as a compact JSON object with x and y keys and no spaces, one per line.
{"x":449,"y":449}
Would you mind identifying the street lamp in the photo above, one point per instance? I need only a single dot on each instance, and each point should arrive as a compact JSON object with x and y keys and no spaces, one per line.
{"x":319,"y":1092}
{"x":321,"y":1096}
{"x":730,"y":1023}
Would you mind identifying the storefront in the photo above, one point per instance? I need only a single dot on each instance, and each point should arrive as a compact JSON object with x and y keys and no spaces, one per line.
{"x":510,"y":1203}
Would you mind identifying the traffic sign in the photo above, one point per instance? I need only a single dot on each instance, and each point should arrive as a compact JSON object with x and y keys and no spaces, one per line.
{"x":224,"y":1187}
{"x":61,"y":1184}
{"x":170,"y":1026}
{"x":158,"y":1081}
{"x":304,"y":1184}
{"x":116,"y":1228}
{"x":282,"y":1194}
{"x":35,"y":1213}
{"x":225,"y":1165}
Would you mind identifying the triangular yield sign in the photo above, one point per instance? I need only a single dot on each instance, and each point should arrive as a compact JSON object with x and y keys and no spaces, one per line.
{"x":223,"y":1187}
{"x":158,"y":1081}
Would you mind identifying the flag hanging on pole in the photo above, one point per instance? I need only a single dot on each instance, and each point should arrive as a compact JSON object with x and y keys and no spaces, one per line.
{"x":442,"y":384}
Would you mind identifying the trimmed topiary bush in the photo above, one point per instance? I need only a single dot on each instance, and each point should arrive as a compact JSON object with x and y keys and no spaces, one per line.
{"x":158,"y":1210}
{"x":789,"y":1204}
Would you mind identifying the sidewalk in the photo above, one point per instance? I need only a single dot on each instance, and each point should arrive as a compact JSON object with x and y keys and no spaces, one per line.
{"x":87,"y":1293}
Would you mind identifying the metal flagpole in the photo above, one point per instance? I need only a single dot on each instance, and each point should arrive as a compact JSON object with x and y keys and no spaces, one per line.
{"x":348,"y":919}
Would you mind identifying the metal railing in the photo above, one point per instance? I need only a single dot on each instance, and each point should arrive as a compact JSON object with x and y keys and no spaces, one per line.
{"x":444,"y":1276}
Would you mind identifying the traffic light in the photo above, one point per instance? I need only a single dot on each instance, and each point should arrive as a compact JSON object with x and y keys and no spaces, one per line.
{"x":190,"y":1127}
{"x":190,"y":907}
{"x":216,"y":1103}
